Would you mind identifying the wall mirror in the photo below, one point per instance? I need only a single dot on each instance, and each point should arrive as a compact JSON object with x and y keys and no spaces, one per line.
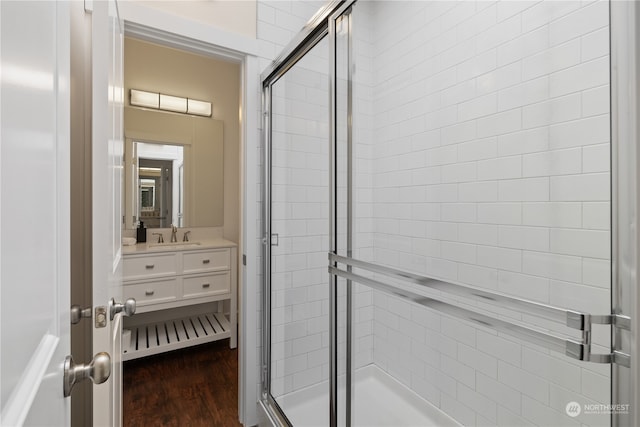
{"x":173,"y":170}
{"x":160,"y":192}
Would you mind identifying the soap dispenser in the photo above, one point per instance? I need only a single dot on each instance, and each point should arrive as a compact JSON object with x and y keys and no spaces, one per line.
{"x":141,"y":233}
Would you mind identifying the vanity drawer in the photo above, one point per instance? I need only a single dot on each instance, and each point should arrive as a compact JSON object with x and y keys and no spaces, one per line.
{"x":149,"y":266}
{"x":152,"y":292}
{"x":213,"y":260}
{"x":211,"y":284}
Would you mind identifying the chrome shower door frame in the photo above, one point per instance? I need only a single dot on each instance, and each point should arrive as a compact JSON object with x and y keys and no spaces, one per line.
{"x":625,"y":235}
{"x":343,"y":12}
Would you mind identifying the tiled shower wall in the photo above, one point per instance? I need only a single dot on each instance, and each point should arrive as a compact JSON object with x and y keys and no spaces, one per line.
{"x":490,"y":168}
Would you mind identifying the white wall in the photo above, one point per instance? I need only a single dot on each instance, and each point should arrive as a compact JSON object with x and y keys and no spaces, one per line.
{"x":490,"y":168}
{"x":229,"y":15}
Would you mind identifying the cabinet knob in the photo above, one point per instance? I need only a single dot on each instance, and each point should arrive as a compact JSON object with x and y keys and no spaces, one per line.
{"x":205,"y":285}
{"x":205,"y":261}
{"x":149,"y":293}
{"x":149,"y":266}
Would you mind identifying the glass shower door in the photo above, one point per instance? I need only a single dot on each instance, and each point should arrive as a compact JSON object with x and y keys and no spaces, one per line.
{"x":297,"y":301}
{"x":472,"y":222}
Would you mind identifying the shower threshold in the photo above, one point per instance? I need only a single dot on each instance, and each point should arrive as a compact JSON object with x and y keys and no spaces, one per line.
{"x":380,"y":400}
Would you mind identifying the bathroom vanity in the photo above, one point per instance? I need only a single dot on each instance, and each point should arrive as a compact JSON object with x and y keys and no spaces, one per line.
{"x":182,"y":291}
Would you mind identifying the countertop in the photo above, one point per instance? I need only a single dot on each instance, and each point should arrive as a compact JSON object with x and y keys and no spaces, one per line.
{"x":194,"y":245}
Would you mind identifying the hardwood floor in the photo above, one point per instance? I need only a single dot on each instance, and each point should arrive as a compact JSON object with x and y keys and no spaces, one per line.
{"x":196,"y":386}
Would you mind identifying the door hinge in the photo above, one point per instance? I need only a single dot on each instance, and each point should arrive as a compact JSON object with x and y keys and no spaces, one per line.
{"x":244,"y":259}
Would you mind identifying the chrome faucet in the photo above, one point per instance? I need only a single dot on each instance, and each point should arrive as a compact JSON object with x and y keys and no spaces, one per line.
{"x":185,"y":238}
{"x":174,"y":230}
{"x":160,"y":238}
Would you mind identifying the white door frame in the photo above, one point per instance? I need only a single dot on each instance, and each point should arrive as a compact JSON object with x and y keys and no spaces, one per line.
{"x":170,"y":30}
{"x":106,"y":181}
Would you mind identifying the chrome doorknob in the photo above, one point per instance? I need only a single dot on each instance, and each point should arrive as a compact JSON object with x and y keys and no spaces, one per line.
{"x":98,"y":371}
{"x":128,"y":308}
{"x":77,"y":313}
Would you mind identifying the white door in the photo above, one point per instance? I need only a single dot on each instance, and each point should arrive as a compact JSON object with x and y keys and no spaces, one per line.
{"x":107,"y":152}
{"x":34,"y":206}
{"x":34,"y":212}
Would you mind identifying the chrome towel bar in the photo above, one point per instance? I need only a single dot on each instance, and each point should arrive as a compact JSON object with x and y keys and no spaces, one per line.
{"x":577,"y":348}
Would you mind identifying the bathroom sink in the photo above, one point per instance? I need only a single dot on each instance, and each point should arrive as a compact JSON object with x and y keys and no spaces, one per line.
{"x":174,"y":245}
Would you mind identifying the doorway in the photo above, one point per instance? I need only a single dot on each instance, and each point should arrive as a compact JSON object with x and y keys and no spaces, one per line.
{"x":181,"y":34}
{"x":186,"y":170}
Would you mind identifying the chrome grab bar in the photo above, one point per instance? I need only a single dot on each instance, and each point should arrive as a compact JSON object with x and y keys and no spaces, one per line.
{"x":577,"y":348}
{"x":571,"y":318}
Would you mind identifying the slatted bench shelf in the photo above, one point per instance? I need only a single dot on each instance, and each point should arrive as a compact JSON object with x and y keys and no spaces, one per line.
{"x":173,"y":334}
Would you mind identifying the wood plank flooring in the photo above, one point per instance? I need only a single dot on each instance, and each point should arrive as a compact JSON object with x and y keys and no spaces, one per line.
{"x":195,"y":386}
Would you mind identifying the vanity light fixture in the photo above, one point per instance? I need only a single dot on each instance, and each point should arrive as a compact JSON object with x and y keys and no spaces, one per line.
{"x":176,"y":104}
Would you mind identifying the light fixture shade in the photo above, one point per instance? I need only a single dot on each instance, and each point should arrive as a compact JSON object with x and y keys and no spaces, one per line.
{"x":200,"y":108}
{"x":141,"y":98}
{"x":173,"y":103}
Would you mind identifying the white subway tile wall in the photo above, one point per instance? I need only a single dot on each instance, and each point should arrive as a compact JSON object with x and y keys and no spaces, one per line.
{"x":490,"y":167}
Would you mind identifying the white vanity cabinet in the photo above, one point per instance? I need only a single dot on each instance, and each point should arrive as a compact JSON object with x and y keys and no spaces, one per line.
{"x":181,"y":293}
